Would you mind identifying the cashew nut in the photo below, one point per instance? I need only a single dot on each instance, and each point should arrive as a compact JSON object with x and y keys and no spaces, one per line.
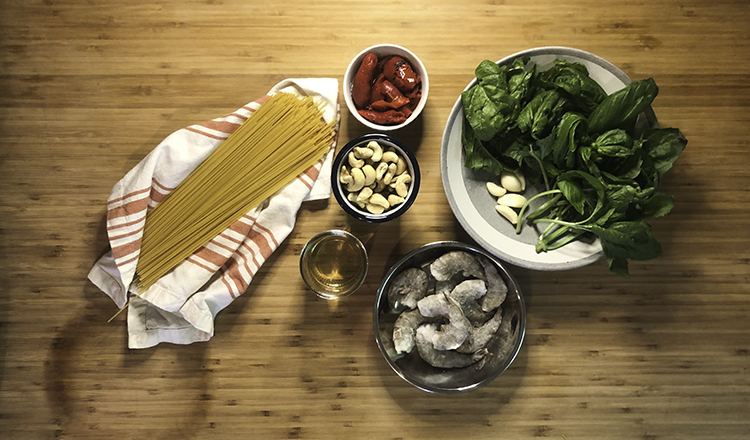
{"x":400,"y":165}
{"x":390,"y":156}
{"x":390,"y":174}
{"x":354,"y":162}
{"x":344,"y":176}
{"x":377,"y":204}
{"x":513,"y":182}
{"x":380,"y":170}
{"x":495,"y":189}
{"x":512,"y":200}
{"x":508,"y":213}
{"x":363,"y":152}
{"x":358,"y":180}
{"x":377,"y":151}
{"x":375,"y":209}
{"x":364,"y":196}
{"x":402,"y":182}
{"x":352,"y":197}
{"x":369,"y":172}
{"x":394,"y":200}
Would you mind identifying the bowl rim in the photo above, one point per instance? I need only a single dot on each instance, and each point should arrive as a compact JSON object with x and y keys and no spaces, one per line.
{"x":338,"y":192}
{"x":383,"y":48}
{"x":507,"y":275}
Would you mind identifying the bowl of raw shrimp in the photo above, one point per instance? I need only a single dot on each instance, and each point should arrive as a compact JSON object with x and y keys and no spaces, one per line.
{"x":449,"y":318}
{"x":385,"y":87}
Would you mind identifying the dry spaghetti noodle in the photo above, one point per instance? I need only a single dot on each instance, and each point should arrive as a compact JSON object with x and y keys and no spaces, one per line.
{"x":285,"y":136}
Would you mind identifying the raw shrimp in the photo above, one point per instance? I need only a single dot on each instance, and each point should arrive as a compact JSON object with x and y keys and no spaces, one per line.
{"x":452,"y":334}
{"x":442,"y":358}
{"x":466,"y":295}
{"x":405,"y":328}
{"x":445,"y":287}
{"x":454,"y":262}
{"x":407,"y":288}
{"x":497,"y":290}
{"x":480,"y":336}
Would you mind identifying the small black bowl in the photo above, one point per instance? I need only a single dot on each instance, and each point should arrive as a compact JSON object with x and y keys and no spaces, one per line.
{"x":340,"y":192}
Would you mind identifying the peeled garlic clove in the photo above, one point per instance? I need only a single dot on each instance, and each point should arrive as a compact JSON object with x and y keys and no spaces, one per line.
{"x":513,"y":182}
{"x":512,"y":200}
{"x":507,"y":212}
{"x":495,"y":189}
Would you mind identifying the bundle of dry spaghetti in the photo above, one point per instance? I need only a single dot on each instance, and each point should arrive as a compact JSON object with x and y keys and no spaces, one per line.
{"x":285,"y":136}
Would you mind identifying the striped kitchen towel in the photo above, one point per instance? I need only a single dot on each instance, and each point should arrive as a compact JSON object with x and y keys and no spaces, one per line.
{"x":180,"y":308}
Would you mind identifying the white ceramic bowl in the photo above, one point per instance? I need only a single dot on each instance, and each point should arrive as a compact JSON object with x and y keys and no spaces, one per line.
{"x":381,"y":50}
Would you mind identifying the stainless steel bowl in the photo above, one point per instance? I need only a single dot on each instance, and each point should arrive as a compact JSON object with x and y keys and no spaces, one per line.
{"x":503,"y":347}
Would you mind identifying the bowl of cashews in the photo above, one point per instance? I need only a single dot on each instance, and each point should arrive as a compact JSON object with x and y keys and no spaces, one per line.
{"x":375,"y":178}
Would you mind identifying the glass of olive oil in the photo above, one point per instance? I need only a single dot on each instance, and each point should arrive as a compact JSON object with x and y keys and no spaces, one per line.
{"x":334,"y":264}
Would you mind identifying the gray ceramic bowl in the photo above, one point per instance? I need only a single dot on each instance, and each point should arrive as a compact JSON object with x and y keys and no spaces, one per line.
{"x":503,"y":347}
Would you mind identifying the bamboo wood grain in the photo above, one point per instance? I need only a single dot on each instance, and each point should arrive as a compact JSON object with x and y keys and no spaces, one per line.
{"x":89,"y":88}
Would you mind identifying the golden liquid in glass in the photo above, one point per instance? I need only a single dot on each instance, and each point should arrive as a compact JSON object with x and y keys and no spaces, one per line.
{"x":334,"y":265}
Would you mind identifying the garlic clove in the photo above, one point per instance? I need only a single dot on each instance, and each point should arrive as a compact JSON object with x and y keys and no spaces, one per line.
{"x":512,"y":200}
{"x":507,"y":212}
{"x":495,"y":189}
{"x":513,"y":182}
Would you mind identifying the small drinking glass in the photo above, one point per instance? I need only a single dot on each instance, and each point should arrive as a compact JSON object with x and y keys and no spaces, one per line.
{"x":334,"y":264}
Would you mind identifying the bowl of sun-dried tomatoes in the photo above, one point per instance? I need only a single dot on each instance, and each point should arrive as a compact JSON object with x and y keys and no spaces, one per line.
{"x":385,"y":87}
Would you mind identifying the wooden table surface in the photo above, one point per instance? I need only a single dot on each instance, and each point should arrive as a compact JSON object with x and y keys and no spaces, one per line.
{"x":88,"y":88}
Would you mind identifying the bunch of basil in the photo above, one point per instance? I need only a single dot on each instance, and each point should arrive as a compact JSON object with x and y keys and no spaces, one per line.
{"x":600,"y":169}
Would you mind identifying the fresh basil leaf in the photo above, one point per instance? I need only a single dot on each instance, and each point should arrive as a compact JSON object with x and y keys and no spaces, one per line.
{"x":488,"y":72}
{"x":621,"y":197}
{"x":619,"y":266}
{"x":487,"y":118}
{"x":476,"y":155}
{"x":521,"y":82}
{"x":574,"y":80}
{"x":541,"y":114}
{"x":658,"y":205}
{"x":663,"y":146}
{"x":571,"y":124}
{"x":614,"y":143}
{"x":621,"y":108}
{"x":573,"y":193}
{"x":628,"y":239}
